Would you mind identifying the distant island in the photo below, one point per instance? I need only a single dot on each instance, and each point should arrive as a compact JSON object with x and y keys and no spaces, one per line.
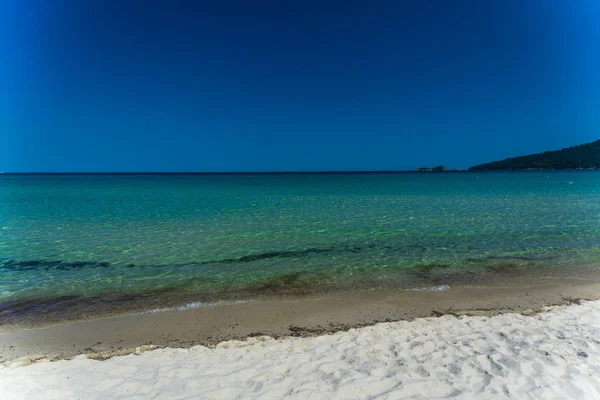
{"x":440,"y":168}
{"x":585,"y":156}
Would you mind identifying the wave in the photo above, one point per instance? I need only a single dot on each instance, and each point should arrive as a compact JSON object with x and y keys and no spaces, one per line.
{"x":196,"y":304}
{"x":439,"y":288}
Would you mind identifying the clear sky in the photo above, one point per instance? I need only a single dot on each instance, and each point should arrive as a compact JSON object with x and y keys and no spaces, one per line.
{"x":123,"y":85}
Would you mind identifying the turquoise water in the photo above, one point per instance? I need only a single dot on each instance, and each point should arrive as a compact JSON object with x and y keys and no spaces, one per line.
{"x":87,"y":243}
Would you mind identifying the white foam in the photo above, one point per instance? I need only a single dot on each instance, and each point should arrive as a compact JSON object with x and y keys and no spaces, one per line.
{"x":433,"y":289}
{"x":196,"y":304}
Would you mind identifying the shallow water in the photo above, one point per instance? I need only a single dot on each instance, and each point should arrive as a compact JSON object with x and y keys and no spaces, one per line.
{"x":84,"y":243}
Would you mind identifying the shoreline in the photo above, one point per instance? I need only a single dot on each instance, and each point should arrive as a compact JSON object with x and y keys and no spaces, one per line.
{"x":304,"y":316}
{"x":37,"y":313}
{"x":554,"y":354}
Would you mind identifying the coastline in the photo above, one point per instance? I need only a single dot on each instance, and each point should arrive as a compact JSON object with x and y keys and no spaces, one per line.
{"x":312,"y":315}
{"x":555,"y":354}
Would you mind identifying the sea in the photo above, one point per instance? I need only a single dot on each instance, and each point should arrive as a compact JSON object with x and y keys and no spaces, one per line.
{"x":86,"y":245}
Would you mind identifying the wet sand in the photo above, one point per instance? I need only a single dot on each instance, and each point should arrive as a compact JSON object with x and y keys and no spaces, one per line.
{"x":297,"y":316}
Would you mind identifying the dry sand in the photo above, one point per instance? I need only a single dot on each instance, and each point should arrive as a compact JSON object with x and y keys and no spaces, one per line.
{"x":553,"y":355}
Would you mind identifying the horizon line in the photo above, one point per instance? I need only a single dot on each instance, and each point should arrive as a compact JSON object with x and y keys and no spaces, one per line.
{"x":218,"y":172}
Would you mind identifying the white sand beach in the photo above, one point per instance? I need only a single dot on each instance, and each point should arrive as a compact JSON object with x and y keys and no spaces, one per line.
{"x":552,"y":355}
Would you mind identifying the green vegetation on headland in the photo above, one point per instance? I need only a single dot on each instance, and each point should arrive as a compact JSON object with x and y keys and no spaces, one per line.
{"x":585,"y":156}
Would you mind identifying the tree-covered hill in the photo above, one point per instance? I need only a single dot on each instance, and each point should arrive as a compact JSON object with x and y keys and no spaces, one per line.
{"x":582,"y":156}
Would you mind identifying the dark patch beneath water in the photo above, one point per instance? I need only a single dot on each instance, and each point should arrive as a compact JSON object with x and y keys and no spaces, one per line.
{"x":294,"y":284}
{"x":509,"y":257}
{"x":284,"y":284}
{"x":58,"y":265}
{"x":481,"y":275}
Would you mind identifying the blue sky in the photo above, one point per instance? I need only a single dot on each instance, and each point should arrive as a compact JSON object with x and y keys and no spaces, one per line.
{"x":293,"y":86}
